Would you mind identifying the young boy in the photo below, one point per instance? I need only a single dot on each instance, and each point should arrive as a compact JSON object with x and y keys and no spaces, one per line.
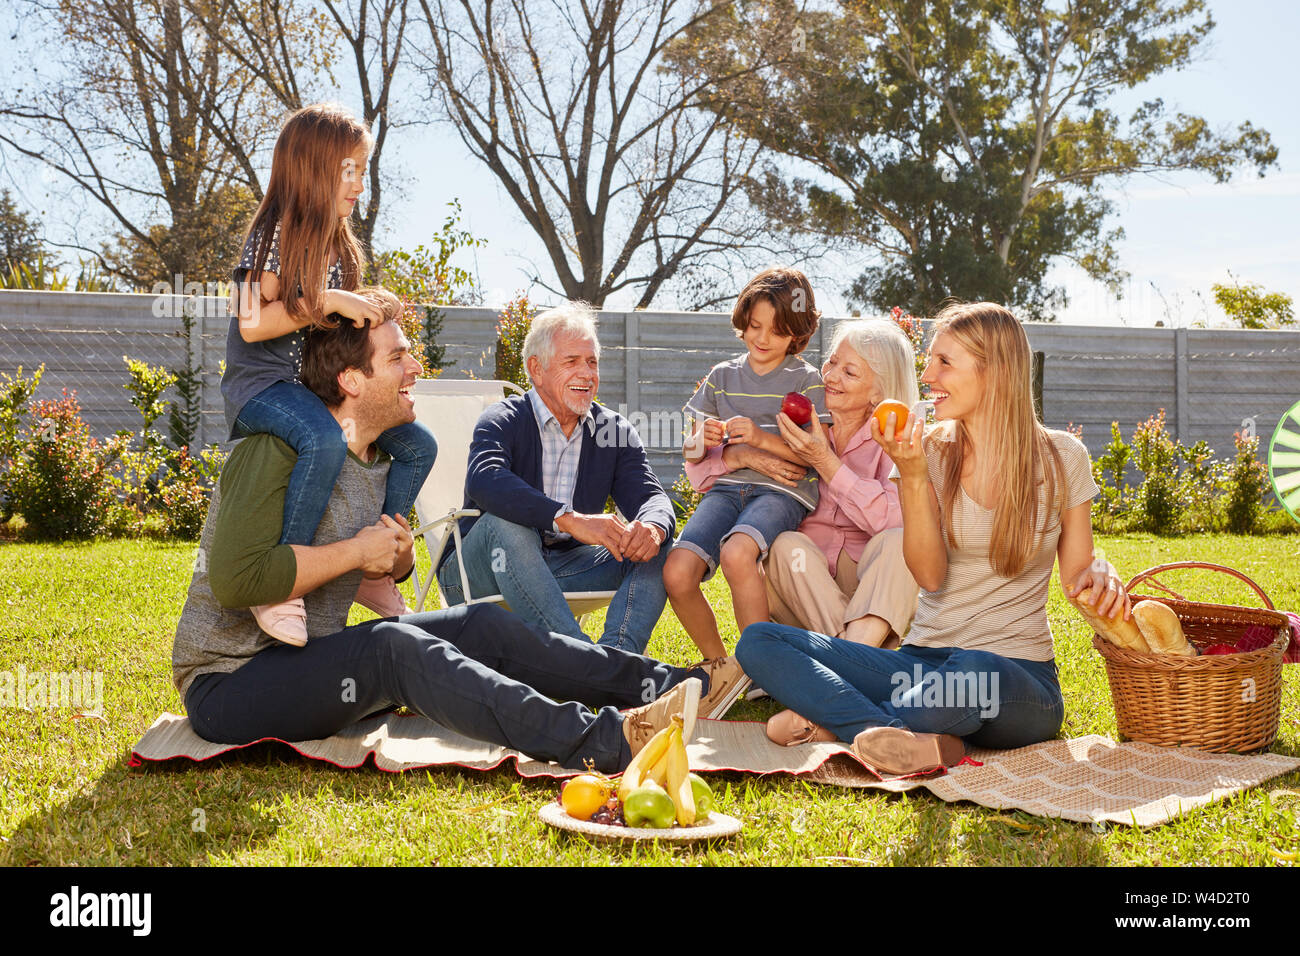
{"x":743,"y":512}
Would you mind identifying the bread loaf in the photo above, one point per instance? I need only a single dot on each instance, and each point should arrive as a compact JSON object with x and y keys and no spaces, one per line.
{"x":1162,"y":629}
{"x":1118,"y":631}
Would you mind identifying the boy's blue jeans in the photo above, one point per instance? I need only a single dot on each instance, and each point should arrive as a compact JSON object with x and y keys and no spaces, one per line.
{"x":294,"y":414}
{"x":757,"y":511}
{"x":990,"y":700}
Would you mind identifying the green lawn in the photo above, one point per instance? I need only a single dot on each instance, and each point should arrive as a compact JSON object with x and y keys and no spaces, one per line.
{"x":68,"y":797}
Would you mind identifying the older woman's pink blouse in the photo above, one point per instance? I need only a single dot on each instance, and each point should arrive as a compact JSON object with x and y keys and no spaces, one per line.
{"x":859,"y":502}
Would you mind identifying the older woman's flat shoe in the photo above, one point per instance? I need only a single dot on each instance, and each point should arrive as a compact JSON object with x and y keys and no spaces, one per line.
{"x":894,"y":751}
{"x":789,"y":730}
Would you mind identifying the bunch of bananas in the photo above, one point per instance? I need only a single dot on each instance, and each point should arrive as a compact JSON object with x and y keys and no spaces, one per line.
{"x":661,"y":770}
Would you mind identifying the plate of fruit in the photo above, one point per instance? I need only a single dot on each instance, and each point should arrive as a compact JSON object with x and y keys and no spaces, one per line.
{"x":657,"y":798}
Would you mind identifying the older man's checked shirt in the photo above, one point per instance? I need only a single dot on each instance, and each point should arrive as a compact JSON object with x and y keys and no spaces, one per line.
{"x":560,"y":457}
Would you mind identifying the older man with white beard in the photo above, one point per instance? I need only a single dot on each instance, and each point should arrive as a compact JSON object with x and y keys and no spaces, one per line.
{"x":541,"y":467}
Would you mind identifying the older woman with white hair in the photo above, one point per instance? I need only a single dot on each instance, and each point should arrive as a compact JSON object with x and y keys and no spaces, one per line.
{"x":842,"y":572}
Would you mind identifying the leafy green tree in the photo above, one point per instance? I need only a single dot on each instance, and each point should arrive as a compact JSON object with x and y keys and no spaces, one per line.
{"x":427,"y":275}
{"x":966,"y":142}
{"x":1252,"y":308}
{"x":20,"y":235}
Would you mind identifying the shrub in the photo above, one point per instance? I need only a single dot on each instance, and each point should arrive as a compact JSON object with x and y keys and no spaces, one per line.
{"x":423,"y":279}
{"x":15,"y":394}
{"x":183,"y":423}
{"x":685,"y":499}
{"x":1247,"y":480}
{"x":1112,"y":462}
{"x":59,"y":480}
{"x":915,"y":333}
{"x":139,"y":473}
{"x":1199,"y":487}
{"x":185,"y":497}
{"x":1156,"y":455}
{"x":512,"y":328}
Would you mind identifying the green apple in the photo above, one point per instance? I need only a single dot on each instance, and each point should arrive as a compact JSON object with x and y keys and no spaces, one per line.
{"x":703,"y":796}
{"x":649,"y":806}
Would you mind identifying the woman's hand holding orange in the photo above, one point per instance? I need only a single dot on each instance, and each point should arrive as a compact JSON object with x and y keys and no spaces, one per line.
{"x":907,"y":452}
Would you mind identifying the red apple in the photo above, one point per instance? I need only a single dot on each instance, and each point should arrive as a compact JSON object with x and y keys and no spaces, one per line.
{"x":798,"y":408}
{"x":1219,"y":649}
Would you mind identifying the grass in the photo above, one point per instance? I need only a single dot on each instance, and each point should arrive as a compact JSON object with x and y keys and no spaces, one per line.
{"x":69,"y":798}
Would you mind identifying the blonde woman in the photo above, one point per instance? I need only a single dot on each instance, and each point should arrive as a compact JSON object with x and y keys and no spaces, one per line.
{"x":990,"y":499}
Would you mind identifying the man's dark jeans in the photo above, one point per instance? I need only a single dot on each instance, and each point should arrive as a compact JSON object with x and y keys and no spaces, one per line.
{"x":478,"y":670}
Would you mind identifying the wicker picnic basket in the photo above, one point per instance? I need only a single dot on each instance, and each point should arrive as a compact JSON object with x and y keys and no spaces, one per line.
{"x":1226,"y":703}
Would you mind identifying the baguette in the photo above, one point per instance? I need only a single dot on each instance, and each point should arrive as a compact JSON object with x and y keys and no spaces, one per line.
{"x":1118,"y":631}
{"x":1162,"y":629}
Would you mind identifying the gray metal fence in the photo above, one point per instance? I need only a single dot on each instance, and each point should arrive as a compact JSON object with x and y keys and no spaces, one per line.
{"x":1211,"y":382}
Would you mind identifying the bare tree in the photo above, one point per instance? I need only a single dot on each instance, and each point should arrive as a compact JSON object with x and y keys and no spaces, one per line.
{"x":571,"y":111}
{"x":363,"y":40}
{"x":175,"y":117}
{"x":130,"y":125}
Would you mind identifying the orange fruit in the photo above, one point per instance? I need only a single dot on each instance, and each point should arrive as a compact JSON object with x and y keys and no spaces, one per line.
{"x":584,"y":795}
{"x":882,"y":413}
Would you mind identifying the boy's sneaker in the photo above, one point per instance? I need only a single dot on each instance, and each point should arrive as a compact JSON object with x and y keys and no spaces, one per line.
{"x":286,"y":621}
{"x":642,"y":723}
{"x":727,"y":681}
{"x":382,"y":597}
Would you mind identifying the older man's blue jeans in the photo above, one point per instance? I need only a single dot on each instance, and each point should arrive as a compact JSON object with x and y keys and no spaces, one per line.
{"x":987,"y":699}
{"x":508,"y":559}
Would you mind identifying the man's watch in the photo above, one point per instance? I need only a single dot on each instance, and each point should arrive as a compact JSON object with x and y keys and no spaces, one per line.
{"x":564,"y":510}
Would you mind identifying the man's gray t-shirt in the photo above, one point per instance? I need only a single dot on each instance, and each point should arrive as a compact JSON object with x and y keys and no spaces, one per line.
{"x":733,"y":388}
{"x":211,"y":638}
{"x":252,"y":367}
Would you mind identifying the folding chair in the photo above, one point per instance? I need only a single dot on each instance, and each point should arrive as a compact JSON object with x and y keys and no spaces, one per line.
{"x":451,"y":408}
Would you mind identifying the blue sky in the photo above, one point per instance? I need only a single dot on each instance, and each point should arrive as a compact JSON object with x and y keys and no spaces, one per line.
{"x":1183,"y":231}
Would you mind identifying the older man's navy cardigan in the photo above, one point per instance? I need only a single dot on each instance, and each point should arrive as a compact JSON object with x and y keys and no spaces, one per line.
{"x":504,"y":476}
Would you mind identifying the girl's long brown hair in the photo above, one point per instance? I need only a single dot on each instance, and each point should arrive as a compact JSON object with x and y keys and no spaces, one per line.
{"x":301,"y":197}
{"x":1021,"y":447}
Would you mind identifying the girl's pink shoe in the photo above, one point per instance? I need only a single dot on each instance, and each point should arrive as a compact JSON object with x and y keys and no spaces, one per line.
{"x":382,"y":597}
{"x":286,"y":621}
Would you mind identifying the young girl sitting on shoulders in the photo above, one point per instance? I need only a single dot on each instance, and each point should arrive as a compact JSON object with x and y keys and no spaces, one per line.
{"x":299,"y":267}
{"x":742,"y":513}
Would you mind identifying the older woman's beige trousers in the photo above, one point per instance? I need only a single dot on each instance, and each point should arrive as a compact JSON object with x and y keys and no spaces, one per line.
{"x":802,"y":593}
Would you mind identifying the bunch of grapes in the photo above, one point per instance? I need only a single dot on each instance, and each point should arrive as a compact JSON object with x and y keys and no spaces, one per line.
{"x":611,"y":814}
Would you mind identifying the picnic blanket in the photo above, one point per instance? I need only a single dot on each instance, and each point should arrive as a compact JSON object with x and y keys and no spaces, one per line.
{"x":1088,"y":779}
